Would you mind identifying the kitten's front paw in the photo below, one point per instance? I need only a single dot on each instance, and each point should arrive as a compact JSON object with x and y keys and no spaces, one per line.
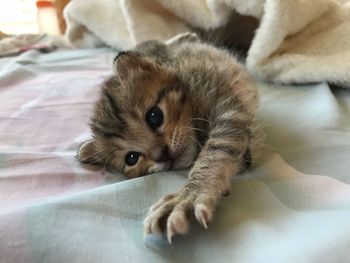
{"x":171,"y":213}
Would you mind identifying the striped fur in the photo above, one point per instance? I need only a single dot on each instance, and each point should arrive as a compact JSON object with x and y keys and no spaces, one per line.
{"x":209,"y":104}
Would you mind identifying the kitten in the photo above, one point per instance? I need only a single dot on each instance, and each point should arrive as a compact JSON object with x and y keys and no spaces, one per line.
{"x":175,"y":105}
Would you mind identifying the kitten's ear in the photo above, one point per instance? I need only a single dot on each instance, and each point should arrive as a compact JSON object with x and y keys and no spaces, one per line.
{"x":88,"y":153}
{"x":129,"y":62}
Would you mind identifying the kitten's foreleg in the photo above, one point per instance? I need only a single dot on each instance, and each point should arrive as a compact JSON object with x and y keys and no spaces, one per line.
{"x":220,"y":158}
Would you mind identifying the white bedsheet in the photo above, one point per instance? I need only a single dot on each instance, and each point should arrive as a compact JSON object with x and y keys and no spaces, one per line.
{"x":291,"y":206}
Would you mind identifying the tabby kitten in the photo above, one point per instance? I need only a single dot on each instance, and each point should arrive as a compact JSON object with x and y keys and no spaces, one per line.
{"x":175,"y":105}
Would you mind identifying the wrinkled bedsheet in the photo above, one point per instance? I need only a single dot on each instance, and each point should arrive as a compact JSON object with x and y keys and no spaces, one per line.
{"x":293,"y":205}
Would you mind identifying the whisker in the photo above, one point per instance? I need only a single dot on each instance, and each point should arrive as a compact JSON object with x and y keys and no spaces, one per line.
{"x":101,"y":158}
{"x":96,"y":153}
{"x":196,"y":119}
{"x":112,"y":161}
{"x":197,"y":129}
{"x":110,"y":155}
{"x":200,"y":146}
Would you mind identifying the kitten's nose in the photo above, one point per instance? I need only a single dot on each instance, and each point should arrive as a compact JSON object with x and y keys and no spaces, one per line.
{"x":164,"y":155}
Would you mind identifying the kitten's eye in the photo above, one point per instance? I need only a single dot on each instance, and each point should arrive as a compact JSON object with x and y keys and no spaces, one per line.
{"x":132,"y":158}
{"x":154,"y":117}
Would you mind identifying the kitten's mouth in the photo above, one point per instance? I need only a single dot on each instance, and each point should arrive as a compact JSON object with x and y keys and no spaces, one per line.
{"x":171,"y":161}
{"x":170,"y":165}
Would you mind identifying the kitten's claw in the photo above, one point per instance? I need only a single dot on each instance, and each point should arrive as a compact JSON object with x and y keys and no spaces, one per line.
{"x":151,"y":226}
{"x":146,"y":227}
{"x":175,"y":210}
{"x":145,"y":234}
{"x":203,"y":214}
{"x":170,"y":234}
{"x":177,"y":222}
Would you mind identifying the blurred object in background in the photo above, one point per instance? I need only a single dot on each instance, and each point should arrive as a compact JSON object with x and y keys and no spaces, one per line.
{"x":2,"y":35}
{"x":47,"y":17}
{"x":59,"y":6}
{"x":13,"y":45}
{"x":18,"y":17}
{"x":32,"y":24}
{"x":32,"y":16}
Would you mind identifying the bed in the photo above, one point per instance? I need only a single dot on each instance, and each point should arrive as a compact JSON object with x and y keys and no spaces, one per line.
{"x":293,"y":205}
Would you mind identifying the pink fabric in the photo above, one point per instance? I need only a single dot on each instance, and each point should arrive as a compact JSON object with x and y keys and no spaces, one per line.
{"x":43,"y":120}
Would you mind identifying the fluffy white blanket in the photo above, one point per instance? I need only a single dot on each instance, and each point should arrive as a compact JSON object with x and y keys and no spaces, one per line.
{"x":297,"y":41}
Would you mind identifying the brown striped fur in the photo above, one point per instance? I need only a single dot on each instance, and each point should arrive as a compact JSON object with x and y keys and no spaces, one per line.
{"x":209,"y":103}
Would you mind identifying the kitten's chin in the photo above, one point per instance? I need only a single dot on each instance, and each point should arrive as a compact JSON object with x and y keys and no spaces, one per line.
{"x":159,"y":167}
{"x":175,"y":165}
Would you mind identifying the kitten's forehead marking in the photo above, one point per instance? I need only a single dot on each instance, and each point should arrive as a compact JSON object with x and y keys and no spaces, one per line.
{"x":161,"y":94}
{"x":174,"y":95}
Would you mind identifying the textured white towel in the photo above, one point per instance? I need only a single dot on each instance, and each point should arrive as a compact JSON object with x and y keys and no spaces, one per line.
{"x":297,"y":41}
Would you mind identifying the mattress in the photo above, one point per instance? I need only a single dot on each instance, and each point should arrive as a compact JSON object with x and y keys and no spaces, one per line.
{"x":292,"y":205}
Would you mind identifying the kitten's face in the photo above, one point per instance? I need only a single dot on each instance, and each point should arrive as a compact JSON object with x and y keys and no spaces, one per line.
{"x":143,"y":120}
